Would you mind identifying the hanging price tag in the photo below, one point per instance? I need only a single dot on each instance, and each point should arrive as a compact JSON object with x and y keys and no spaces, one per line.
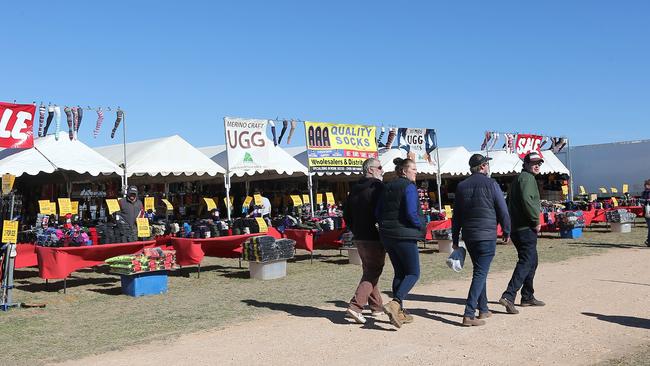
{"x":296,"y":200}
{"x":449,"y":211}
{"x":614,"y":201}
{"x":319,"y":198}
{"x":565,"y":190}
{"x":9,"y":231}
{"x":7,"y":183}
{"x":45,"y":207}
{"x":168,"y":204}
{"x":210,"y":203}
{"x":614,"y":189}
{"x":232,"y":202}
{"x":305,"y":199}
{"x":329,"y":196}
{"x":143,"y":227}
{"x":626,"y":188}
{"x":258,"y":199}
{"x":582,"y":190}
{"x":149,"y":204}
{"x":602,"y":190}
{"x":262,"y":225}
{"x":75,"y":207}
{"x":247,"y":201}
{"x":53,"y":208}
{"x":65,"y":206}
{"x":113,"y":206}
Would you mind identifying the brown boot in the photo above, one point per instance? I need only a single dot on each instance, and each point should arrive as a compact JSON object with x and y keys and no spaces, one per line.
{"x":484,"y":315}
{"x":392,"y":309}
{"x":405,"y":317}
{"x":472,"y":322}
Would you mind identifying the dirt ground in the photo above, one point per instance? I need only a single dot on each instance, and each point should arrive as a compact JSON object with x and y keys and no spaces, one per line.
{"x":597,"y":309}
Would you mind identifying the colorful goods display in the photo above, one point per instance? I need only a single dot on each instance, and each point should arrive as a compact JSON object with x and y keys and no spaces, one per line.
{"x":619,"y":216}
{"x":152,"y":259}
{"x":266,"y":248}
{"x":570,"y":220}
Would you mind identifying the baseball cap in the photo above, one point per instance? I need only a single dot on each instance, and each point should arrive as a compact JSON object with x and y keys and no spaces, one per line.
{"x":132,"y":190}
{"x":478,"y":159}
{"x":533,"y":157}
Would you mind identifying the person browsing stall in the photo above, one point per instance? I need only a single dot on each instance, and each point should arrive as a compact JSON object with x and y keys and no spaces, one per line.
{"x":131,"y":208}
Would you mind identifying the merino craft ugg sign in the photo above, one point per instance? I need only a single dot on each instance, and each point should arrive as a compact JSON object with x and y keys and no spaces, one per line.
{"x":528,"y":143}
{"x":17,"y":125}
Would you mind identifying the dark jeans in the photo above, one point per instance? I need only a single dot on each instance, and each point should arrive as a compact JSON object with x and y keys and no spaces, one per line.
{"x":405,"y":257}
{"x":482,"y":253}
{"x":647,"y":221}
{"x":372,"y":255}
{"x":526,"y":243}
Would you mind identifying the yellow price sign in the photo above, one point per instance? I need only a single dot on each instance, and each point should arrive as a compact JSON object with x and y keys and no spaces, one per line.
{"x":229,"y":204}
{"x":113,"y":206}
{"x":258,"y":199}
{"x":149,"y":204}
{"x":319,"y":198}
{"x":626,"y":188}
{"x":614,"y":201}
{"x":582,"y":190}
{"x":614,"y":189}
{"x":9,"y":231}
{"x":602,"y":190}
{"x":305,"y":199}
{"x":296,"y":200}
{"x":247,"y":201}
{"x":45,"y":207}
{"x":449,"y":211}
{"x":53,"y":207}
{"x":262,"y":224}
{"x":209,"y":202}
{"x":65,"y":206}
{"x":8,"y":183}
{"x":75,"y":207}
{"x":143,"y":227}
{"x":329,"y":197}
{"x":565,"y":190}
{"x":168,"y":204}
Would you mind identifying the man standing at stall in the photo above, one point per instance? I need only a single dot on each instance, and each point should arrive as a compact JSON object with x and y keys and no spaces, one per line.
{"x":524,"y":207}
{"x":131,"y":208}
{"x":359,"y":215}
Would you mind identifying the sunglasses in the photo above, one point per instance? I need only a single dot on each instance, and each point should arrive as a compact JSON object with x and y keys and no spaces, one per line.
{"x":378,"y":167}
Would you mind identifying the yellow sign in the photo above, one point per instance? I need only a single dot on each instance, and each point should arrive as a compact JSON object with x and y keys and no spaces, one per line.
{"x":319,"y":198}
{"x":7,"y":183}
{"x":45,"y":207}
{"x":296,"y":200}
{"x":210,"y":203}
{"x":75,"y":207}
{"x":149,"y":204}
{"x":593,"y":197}
{"x":247,"y":201}
{"x":565,"y":190}
{"x":262,"y":224}
{"x":10,"y":231}
{"x":305,"y":199}
{"x":614,"y":201}
{"x":602,"y":190}
{"x":143,"y":227}
{"x":258,"y":199}
{"x":65,"y":206}
{"x":232,"y":202}
{"x":582,"y":190}
{"x":626,"y":188}
{"x":113,"y":206}
{"x":168,"y":204}
{"x":449,"y":211}
{"x":329,"y":196}
{"x":53,"y":208}
{"x":336,"y":147}
{"x":614,"y":189}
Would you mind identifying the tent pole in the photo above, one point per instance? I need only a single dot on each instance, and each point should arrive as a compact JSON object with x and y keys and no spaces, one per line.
{"x":438,"y":178}
{"x":311,"y":192}
{"x":125,"y":179}
{"x":226,"y":179}
{"x":568,"y":158}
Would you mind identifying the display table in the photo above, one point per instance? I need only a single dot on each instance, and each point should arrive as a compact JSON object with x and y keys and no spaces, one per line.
{"x":310,"y":239}
{"x":437,"y":225}
{"x":26,"y":256}
{"x":191,"y":251}
{"x":58,"y":263}
{"x":637,"y":210}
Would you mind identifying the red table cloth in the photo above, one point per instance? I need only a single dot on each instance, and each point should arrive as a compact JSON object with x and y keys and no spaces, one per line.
{"x":446,"y":224}
{"x":637,"y":210}
{"x":310,"y":239}
{"x":191,"y":251}
{"x":26,"y":256}
{"x":58,"y":263}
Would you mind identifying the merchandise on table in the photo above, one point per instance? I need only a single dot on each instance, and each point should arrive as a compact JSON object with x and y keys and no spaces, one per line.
{"x":152,"y":259}
{"x":570,"y":220}
{"x":443,"y":234}
{"x":266,"y":248}
{"x":619,"y":216}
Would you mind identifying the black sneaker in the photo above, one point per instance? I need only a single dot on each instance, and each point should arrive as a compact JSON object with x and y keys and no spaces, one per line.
{"x":510,"y":307}
{"x":532,"y":302}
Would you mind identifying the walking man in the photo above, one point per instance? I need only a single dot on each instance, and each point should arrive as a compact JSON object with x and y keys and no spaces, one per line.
{"x":524,"y":208}
{"x":359,"y":215}
{"x":478,"y":207}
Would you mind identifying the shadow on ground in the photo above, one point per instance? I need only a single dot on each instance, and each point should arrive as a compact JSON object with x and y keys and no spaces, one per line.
{"x":627,"y":321}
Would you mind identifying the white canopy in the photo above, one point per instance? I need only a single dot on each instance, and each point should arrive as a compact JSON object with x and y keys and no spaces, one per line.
{"x":508,"y":163}
{"x":453,"y":161}
{"x":281,"y":161}
{"x":164,"y":156}
{"x":49,"y":155}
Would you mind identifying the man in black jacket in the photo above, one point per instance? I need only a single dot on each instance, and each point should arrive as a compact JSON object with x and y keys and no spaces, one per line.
{"x":359,"y":215}
{"x":478,"y":207}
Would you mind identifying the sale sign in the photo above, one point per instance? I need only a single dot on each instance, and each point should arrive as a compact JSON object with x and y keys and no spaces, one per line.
{"x":528,"y":143}
{"x":339,"y":147}
{"x":17,"y":125}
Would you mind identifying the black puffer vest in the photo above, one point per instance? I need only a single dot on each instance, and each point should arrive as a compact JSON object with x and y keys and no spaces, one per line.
{"x":394,"y":222}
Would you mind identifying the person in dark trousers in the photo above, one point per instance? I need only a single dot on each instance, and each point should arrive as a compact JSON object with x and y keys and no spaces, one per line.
{"x":131,"y":208}
{"x":524,"y":207}
{"x":400,"y":228}
{"x":646,"y":196}
{"x":359,"y":215}
{"x":478,"y":208}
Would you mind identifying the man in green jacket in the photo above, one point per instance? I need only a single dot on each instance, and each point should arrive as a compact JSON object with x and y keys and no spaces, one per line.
{"x":524,"y":208}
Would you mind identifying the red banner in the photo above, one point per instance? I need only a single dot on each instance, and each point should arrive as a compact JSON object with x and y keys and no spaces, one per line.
{"x":528,"y":143}
{"x":17,"y":125}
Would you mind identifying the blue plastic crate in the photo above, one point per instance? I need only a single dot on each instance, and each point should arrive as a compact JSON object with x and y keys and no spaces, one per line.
{"x":571,"y":234}
{"x":147,"y":283}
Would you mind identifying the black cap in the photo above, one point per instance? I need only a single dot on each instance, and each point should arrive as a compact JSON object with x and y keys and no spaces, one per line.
{"x":132,"y":190}
{"x":533,"y":157}
{"x":478,"y":159}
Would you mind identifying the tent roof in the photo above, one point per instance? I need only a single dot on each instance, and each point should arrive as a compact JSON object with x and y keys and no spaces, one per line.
{"x":453,"y":161}
{"x":163,"y":156}
{"x":49,"y":155}
{"x":282,"y":162}
{"x":509,"y":163}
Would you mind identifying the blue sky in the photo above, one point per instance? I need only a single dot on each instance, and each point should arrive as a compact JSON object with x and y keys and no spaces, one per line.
{"x":574,"y":68}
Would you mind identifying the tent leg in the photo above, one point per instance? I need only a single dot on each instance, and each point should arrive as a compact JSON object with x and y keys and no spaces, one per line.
{"x":65,"y":285}
{"x":198,"y":271}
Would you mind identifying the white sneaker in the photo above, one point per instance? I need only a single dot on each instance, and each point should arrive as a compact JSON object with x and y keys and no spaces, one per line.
{"x":358,"y":317}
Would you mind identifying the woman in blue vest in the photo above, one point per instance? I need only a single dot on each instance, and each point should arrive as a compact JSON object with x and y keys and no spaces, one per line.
{"x":400,"y":228}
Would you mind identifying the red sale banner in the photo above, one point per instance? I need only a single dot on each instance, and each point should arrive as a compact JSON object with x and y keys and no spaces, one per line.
{"x":17,"y":125}
{"x":528,"y":143}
